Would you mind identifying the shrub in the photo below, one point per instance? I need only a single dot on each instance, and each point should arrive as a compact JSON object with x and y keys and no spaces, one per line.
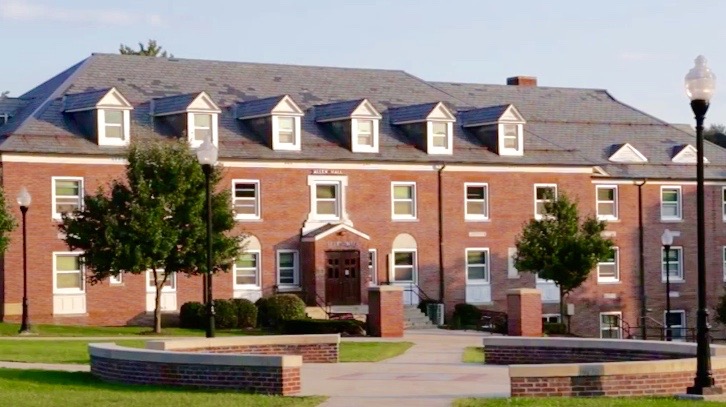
{"x":225,"y":314}
{"x":246,"y":313}
{"x":347,"y":327}
{"x":284,"y":306}
{"x":191,"y":315}
{"x":263,"y":314}
{"x":423,"y":305}
{"x":554,"y":328}
{"x":468,"y":314}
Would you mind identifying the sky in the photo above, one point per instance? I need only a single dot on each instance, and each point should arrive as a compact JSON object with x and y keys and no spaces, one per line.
{"x":639,"y":50}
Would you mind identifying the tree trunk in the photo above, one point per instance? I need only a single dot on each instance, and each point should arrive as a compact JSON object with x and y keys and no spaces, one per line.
{"x":157,"y":301}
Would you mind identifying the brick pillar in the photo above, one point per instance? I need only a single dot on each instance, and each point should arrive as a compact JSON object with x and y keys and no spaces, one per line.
{"x":524,"y":312}
{"x":385,"y":311}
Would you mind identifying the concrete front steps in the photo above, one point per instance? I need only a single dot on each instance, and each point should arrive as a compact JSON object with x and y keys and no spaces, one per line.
{"x":413,"y":318}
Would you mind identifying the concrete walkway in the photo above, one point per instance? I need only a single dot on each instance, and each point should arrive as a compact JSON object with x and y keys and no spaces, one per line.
{"x":429,"y":374}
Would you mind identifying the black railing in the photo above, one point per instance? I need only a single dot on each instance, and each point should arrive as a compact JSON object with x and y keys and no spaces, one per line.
{"x":623,"y":328}
{"x":412,"y":289}
{"x":320,"y":303}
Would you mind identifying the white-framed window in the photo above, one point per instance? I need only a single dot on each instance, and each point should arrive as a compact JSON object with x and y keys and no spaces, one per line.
{"x":288,"y":269}
{"x":169,"y":285}
{"x":327,"y":200}
{"x":510,"y":135}
{"x":723,"y":203}
{"x":68,"y":273}
{"x":403,"y":200}
{"x":551,"y":318}
{"x":246,"y":198}
{"x":364,"y":132}
{"x":477,"y":265}
{"x":677,"y":320}
{"x":543,"y":193}
{"x":673,"y":265}
{"x":113,"y":127}
{"x":202,"y":127}
{"x":246,"y":270}
{"x":608,"y":271}
{"x":606,"y":197}
{"x":117,"y":279}
{"x":512,"y":271}
{"x":439,"y":137}
{"x":373,"y":265}
{"x":610,"y":325}
{"x":285,"y":132}
{"x":67,"y":195}
{"x":476,"y":201}
{"x":670,"y":203}
{"x":404,"y":266}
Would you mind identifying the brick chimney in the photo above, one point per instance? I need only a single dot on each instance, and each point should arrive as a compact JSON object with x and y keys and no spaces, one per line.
{"x":522,"y":81}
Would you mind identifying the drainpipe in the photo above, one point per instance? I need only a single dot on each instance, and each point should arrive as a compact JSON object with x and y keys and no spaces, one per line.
{"x":441,"y":168}
{"x":641,"y":275}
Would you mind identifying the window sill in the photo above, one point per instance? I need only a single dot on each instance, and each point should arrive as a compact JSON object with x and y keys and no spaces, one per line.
{"x":477,"y":220}
{"x":608,"y":282}
{"x":117,"y":285}
{"x":608,"y":220}
{"x":69,"y":315}
{"x":679,"y":281}
{"x":671,"y":220}
{"x":404,"y":219}
{"x":247,"y":288}
{"x":288,"y":289}
{"x":251,"y":220}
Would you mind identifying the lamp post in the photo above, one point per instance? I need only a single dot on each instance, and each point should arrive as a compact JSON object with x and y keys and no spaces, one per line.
{"x":700,"y":84}
{"x":24,"y":200}
{"x":667,"y":239}
{"x":207,"y":157}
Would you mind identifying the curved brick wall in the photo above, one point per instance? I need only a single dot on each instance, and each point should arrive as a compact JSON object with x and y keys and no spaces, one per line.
{"x":598,"y":367}
{"x":256,"y":373}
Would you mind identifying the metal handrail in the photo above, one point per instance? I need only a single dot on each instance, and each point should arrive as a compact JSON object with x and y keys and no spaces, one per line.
{"x":418,"y":291}
{"x":655,"y":321}
{"x":322,"y":304}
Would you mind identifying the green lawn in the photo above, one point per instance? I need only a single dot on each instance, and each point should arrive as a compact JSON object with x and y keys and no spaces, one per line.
{"x":32,"y":388}
{"x":582,"y":402}
{"x":371,"y":351}
{"x":76,"y":351}
{"x":7,"y":329}
{"x":473,"y":354}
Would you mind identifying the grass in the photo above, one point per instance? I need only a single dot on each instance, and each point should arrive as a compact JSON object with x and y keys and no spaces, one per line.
{"x":371,"y":351}
{"x":33,"y":388}
{"x":473,"y":354}
{"x":7,"y":329}
{"x":76,"y":351}
{"x":581,"y":402}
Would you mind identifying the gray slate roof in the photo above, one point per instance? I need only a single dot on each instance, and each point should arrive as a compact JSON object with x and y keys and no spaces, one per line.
{"x":10,"y":105}
{"x":173,"y":104}
{"x":482,"y":115}
{"x":413,"y":113}
{"x":336,"y":110}
{"x":564,"y":126}
{"x":259,"y":107}
{"x":83,"y":100}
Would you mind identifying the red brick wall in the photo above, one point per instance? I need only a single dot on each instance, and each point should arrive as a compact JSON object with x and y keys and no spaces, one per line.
{"x":311,"y":353}
{"x":285,"y":209}
{"x":516,"y":355}
{"x":524,"y":311}
{"x":385,"y":314}
{"x":260,"y":379}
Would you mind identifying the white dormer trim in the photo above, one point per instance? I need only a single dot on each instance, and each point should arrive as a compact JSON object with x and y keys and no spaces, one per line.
{"x":433,"y":149}
{"x":505,"y":150}
{"x":364,"y":111}
{"x":113,"y":99}
{"x":101,"y":126}
{"x":512,"y":115}
{"x":287,"y":107}
{"x":191,"y":128}
{"x":687,"y":155}
{"x":277,"y":145}
{"x":628,"y":154}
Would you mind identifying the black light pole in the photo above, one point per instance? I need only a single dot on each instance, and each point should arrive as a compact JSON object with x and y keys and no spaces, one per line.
{"x":667,"y":239}
{"x":24,"y":200}
{"x":207,"y":156}
{"x":700,"y":84}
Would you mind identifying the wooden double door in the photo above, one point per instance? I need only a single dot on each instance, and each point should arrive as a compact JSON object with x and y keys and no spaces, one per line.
{"x":342,"y":277}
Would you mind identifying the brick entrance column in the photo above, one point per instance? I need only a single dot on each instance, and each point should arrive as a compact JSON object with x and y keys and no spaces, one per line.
{"x":524,"y":312}
{"x":385,"y":311}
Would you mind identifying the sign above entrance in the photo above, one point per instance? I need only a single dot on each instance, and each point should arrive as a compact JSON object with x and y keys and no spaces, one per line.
{"x":327,"y":172}
{"x":343,"y":245}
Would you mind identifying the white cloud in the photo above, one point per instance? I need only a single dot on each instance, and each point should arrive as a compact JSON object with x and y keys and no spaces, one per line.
{"x":20,"y":10}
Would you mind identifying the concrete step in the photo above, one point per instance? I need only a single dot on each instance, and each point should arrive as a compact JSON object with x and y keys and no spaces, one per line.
{"x":315,"y":313}
{"x":413,"y":318}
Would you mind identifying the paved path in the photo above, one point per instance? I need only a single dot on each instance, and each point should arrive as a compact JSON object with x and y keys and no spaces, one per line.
{"x":429,"y":374}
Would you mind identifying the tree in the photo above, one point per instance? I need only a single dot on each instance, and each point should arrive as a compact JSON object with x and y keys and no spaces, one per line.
{"x":560,"y":247}
{"x":7,"y":223}
{"x":153,"y":220}
{"x":150,"y":50}
{"x":716,"y":133}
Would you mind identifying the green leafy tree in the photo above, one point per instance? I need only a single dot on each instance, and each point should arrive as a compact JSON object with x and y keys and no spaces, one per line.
{"x":560,"y":247}
{"x":7,"y":223}
{"x":152,"y":49}
{"x":716,"y":133}
{"x":154,"y":219}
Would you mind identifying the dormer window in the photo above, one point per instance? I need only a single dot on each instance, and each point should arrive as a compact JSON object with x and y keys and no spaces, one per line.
{"x":430,"y":125}
{"x":103,"y":114}
{"x":278,"y":118}
{"x":355,"y":122}
{"x":500,"y":128}
{"x":192,"y":115}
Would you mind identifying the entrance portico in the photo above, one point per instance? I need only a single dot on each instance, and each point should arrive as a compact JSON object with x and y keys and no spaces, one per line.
{"x":334,"y":265}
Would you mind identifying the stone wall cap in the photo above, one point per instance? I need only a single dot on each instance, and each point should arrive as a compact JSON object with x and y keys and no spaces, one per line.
{"x":253,"y":340}
{"x":386,"y":288}
{"x":113,"y":351}
{"x":520,"y":291}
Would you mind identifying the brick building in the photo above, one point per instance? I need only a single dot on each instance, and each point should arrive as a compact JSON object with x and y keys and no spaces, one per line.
{"x":346,"y":178}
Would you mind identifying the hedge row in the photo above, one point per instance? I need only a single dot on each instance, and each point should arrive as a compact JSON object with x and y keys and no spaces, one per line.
{"x":241,"y":313}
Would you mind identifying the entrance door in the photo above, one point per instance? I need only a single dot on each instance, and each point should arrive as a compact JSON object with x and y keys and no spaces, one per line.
{"x":342,"y":283}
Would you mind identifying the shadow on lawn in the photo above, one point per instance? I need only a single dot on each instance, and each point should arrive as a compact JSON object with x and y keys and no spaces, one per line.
{"x":83,"y":379}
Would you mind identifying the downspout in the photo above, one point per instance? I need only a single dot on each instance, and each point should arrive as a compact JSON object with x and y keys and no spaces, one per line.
{"x":641,"y":275}
{"x":441,"y":168}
